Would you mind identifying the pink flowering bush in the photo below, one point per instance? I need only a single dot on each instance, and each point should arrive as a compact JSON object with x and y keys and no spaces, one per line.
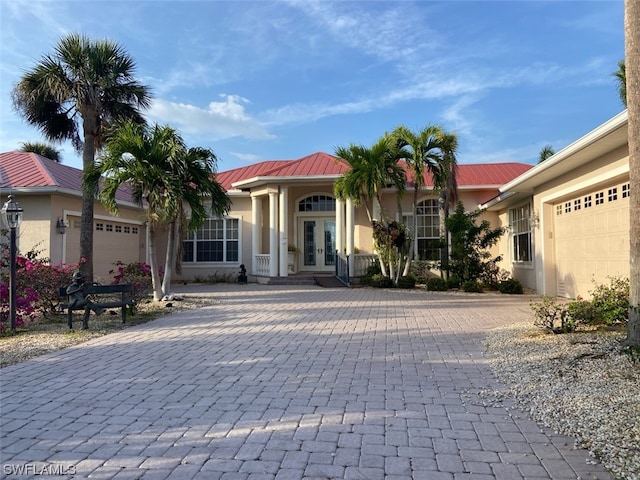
{"x":136,"y":273}
{"x":46,"y":279}
{"x":26,"y":295}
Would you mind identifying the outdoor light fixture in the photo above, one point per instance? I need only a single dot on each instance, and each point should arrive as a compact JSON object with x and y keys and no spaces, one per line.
{"x":12,"y":216}
{"x":61,"y":227}
{"x":534,"y":220}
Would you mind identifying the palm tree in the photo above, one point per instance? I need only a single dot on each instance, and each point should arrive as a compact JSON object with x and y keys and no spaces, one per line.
{"x":425,"y":152}
{"x":621,"y":80}
{"x":546,"y":152}
{"x":74,"y":95}
{"x":194,"y":175}
{"x":42,"y":149}
{"x":164,"y":176}
{"x":445,"y":184}
{"x":371,"y":171}
{"x":632,"y":58}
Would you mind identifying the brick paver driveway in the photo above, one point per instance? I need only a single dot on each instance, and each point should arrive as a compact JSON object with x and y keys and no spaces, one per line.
{"x":283,"y":383}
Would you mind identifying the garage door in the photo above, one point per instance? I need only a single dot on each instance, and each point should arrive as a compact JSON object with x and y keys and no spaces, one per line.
{"x":112,"y":241}
{"x":591,"y":239}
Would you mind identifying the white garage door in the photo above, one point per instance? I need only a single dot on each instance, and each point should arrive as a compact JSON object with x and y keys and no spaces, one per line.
{"x":591,"y":239}
{"x":112,"y":241}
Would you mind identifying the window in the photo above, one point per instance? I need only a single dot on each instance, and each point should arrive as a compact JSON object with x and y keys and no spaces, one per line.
{"x":587,"y":201}
{"x":127,"y":229}
{"x":612,"y":194}
{"x":317,"y":203}
{"x":134,"y":230}
{"x":428,"y":236}
{"x":118,"y":228}
{"x":625,"y":190}
{"x":100,"y":227}
{"x":109,"y":227}
{"x":520,"y":227}
{"x":559,"y":209}
{"x":567,"y":207}
{"x":599,"y":198}
{"x":218,"y":240}
{"x":576,"y":204}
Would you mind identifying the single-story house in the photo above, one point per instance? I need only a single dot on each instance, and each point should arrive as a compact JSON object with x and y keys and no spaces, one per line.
{"x":277,"y":206}
{"x":567,"y":218}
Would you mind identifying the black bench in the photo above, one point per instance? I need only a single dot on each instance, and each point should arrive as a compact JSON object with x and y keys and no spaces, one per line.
{"x":126,"y":300}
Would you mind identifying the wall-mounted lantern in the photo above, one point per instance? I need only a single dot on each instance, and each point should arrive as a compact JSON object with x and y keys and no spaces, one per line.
{"x":61,"y":227}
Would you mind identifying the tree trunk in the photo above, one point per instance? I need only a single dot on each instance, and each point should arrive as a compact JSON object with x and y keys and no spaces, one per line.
{"x":153,"y":263}
{"x":632,"y":62}
{"x":413,"y":244}
{"x":169,"y":258}
{"x":88,"y":196}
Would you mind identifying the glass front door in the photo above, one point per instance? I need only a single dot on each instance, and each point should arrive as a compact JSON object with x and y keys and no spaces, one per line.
{"x":319,"y":244}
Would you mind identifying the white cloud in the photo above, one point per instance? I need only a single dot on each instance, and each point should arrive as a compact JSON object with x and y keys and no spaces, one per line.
{"x":219,"y":120}
{"x":247,"y":157}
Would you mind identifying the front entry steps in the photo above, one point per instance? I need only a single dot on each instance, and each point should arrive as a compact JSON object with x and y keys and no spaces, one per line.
{"x":324,"y":280}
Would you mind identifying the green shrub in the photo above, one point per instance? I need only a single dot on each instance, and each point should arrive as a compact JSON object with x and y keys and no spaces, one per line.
{"x":453,"y":282}
{"x":582,"y":311}
{"x":436,"y":284}
{"x":372,"y":270}
{"x":472,"y":287}
{"x":552,"y":315}
{"x":612,"y":301}
{"x":380,"y":281}
{"x":421,"y":270}
{"x":510,"y":286}
{"x":407,"y":282}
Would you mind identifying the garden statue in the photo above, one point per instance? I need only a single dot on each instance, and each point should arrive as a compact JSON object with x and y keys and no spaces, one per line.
{"x":78,"y":298}
{"x":242,"y":278}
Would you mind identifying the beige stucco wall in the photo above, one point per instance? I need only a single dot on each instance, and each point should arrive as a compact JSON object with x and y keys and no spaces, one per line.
{"x":34,"y":233}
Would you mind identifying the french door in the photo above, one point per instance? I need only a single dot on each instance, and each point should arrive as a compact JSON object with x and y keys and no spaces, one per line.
{"x":318,"y":244}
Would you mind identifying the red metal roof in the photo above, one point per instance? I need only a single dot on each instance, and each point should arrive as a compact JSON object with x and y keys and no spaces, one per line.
{"x":29,"y":170}
{"x":319,"y":164}
{"x":25,"y":170}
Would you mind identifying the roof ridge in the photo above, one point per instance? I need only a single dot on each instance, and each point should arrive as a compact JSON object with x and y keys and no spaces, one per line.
{"x":43,"y":168}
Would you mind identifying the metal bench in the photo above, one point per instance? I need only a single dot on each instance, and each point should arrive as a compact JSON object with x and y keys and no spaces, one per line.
{"x":126,"y":300}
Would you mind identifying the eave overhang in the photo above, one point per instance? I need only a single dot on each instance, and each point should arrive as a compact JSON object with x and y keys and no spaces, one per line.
{"x":600,"y":141}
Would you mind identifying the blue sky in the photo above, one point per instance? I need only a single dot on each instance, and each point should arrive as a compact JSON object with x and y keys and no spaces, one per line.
{"x":271,"y":80}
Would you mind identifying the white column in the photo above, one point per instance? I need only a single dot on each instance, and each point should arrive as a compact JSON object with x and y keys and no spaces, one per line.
{"x":340,"y":226}
{"x":273,"y":234}
{"x":350,"y":234}
{"x":284,"y":228}
{"x":256,"y":247}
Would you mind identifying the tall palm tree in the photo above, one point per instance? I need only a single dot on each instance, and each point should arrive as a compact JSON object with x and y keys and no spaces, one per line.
{"x":42,"y":149}
{"x":194,"y":186}
{"x":139,"y":156}
{"x":424,"y":152}
{"x":74,"y":94}
{"x":445,"y":184}
{"x":165,"y":176}
{"x":632,"y":60}
{"x":372,"y":170}
{"x":621,"y":80}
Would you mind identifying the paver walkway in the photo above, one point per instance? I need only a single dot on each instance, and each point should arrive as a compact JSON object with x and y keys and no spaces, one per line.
{"x":283,"y":383}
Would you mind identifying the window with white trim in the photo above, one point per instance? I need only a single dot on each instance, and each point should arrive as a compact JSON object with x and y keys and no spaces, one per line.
{"x":520,"y":229}
{"x":217,"y":240}
{"x":428,"y":237}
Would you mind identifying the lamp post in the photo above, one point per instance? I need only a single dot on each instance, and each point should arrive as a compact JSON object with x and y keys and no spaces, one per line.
{"x":12,"y":216}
